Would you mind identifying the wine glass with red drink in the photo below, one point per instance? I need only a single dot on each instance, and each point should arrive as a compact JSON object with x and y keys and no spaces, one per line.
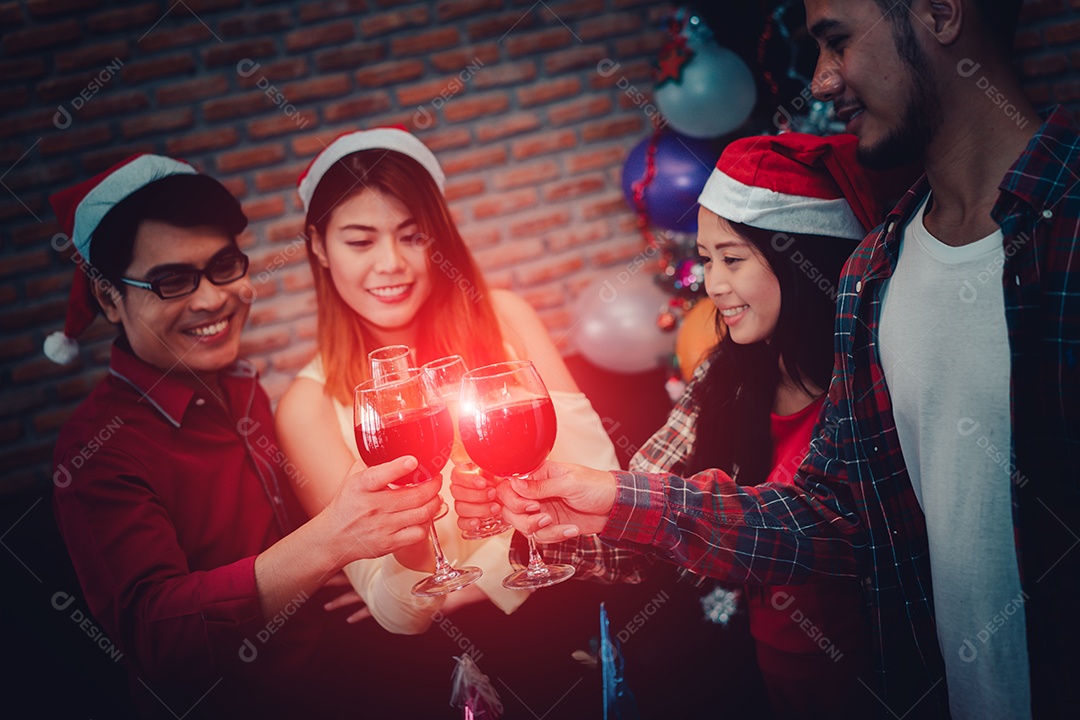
{"x":508,"y":428}
{"x":389,"y":359}
{"x":446,"y":374}
{"x":401,"y":414}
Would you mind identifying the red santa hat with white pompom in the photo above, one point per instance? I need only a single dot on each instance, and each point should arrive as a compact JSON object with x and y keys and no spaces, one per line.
{"x":80,"y":209}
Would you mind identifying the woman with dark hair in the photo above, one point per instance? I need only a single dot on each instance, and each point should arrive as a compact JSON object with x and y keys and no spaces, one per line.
{"x":778,"y":219}
{"x":390,"y":268}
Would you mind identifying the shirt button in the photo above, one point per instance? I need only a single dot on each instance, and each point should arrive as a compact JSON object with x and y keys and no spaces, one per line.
{"x":858,"y":286}
{"x":1048,"y":214}
{"x":200,"y":401}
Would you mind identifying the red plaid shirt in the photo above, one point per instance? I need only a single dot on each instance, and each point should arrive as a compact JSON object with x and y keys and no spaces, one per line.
{"x":852,"y":510}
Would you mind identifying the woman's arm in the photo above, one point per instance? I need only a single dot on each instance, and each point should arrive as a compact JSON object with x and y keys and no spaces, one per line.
{"x":525,"y":332}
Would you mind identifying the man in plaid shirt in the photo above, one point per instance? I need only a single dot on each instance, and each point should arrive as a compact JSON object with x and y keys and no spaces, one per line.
{"x":946,"y":466}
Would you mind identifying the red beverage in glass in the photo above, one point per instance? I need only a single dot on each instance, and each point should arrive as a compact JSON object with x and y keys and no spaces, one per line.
{"x":426,"y":434}
{"x":511,"y":439}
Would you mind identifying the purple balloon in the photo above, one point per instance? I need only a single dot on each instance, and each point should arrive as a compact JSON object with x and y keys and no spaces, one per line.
{"x":683,"y":166}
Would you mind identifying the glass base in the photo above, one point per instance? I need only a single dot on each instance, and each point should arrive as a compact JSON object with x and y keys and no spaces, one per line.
{"x":455,"y":579}
{"x":548,"y":575}
{"x":487,"y":528}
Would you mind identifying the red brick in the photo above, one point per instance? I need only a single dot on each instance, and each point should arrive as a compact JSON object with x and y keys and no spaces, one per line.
{"x":296,"y":357}
{"x":159,"y":122}
{"x":579,"y":110}
{"x":284,"y":231}
{"x":571,"y":9}
{"x":92,"y":55}
{"x":320,"y":36}
{"x":393,"y":21}
{"x":114,"y":104}
{"x":1067,"y":91}
{"x":508,"y":254}
{"x":11,"y":14}
{"x":504,"y":203}
{"x":541,"y":93}
{"x":538,"y":223}
{"x":414,"y":121}
{"x":616,"y":127}
{"x":282,"y":124}
{"x":263,"y":340}
{"x":236,"y":106}
{"x":66,"y":87}
{"x":79,"y":387}
{"x":298,"y":278}
{"x":288,"y":307}
{"x":22,"y":69}
{"x":1044,"y":66}
{"x":508,"y":125}
{"x":191,"y":90}
{"x":14,"y":97}
{"x":312,"y":11}
{"x":323,"y":86}
{"x":237,"y":187}
{"x":473,"y":160}
{"x":35,"y":233}
{"x":542,"y":144}
{"x":609,"y":25}
{"x":574,"y":58}
{"x":481,"y":237}
{"x":519,"y":73}
{"x":464,"y":188}
{"x":541,"y":41}
{"x":26,"y":315}
{"x":278,"y":178}
{"x":620,"y":4}
{"x":1038,"y":9}
{"x":94,"y":161}
{"x":546,"y":296}
{"x":199,"y":7}
{"x":174,"y":37}
{"x":18,"y":124}
{"x":525,"y":175}
{"x":41,"y":37}
{"x":578,"y":235}
{"x":624,"y":72}
{"x":367,"y":104}
{"x":201,"y":141}
{"x":611,"y":205}
{"x":138,"y":16}
{"x":349,"y":57}
{"x":447,"y":139}
{"x":1027,"y":40}
{"x":263,"y":73}
{"x":22,"y":208}
{"x":52,"y":419}
{"x":572,"y":189}
{"x":454,"y":9}
{"x":467,"y":61}
{"x":425,"y":42}
{"x":256,"y":23}
{"x":265,"y":207}
{"x":644,"y":43}
{"x":1061,"y":33}
{"x":469,"y":108}
{"x":12,"y":264}
{"x":74,"y":139}
{"x":21,"y":346}
{"x":219,"y":55}
{"x":313,"y":143}
{"x":389,"y":73}
{"x":139,"y":72}
{"x":497,"y":26}
{"x":39,"y":174}
{"x":247,"y":158}
{"x":548,"y":269}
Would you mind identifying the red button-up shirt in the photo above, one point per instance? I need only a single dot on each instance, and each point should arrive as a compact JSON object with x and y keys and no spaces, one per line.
{"x":165,"y":494}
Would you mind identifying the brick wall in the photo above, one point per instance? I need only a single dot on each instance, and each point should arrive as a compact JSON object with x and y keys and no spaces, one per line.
{"x":506,"y":92}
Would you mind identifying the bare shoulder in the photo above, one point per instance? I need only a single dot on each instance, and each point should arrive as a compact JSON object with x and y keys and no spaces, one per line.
{"x":303,"y":408}
{"x":526,"y":333}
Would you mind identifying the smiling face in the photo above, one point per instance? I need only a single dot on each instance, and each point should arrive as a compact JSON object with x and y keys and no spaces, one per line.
{"x":200,"y":331}
{"x":739,"y":281}
{"x":878,"y":77}
{"x":377,"y":260}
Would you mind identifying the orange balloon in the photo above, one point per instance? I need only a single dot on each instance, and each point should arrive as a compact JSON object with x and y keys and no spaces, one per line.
{"x":696,"y":336}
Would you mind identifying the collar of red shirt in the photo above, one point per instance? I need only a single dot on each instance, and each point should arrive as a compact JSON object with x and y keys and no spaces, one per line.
{"x":171,"y":391}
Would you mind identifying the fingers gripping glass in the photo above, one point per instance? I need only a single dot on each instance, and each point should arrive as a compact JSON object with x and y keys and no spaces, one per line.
{"x":171,"y":285}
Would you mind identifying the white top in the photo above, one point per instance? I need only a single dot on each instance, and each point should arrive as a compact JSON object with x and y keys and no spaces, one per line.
{"x":945,"y":351}
{"x":384,"y":583}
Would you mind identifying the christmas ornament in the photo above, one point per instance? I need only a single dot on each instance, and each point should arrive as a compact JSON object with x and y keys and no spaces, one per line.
{"x":662,"y":178}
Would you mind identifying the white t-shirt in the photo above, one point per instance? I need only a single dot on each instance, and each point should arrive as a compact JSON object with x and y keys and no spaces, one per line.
{"x":945,"y":351}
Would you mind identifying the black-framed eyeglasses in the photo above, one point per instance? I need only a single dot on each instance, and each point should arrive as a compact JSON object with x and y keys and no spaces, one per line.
{"x":221,"y":271}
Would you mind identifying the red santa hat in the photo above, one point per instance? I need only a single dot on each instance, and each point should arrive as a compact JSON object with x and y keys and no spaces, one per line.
{"x":794,"y":183}
{"x":80,"y":209}
{"x":396,"y":138}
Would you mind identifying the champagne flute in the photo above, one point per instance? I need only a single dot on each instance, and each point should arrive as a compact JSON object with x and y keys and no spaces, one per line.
{"x":508,"y":428}
{"x":401,"y":414}
{"x":446,"y":374}
{"x":389,"y":359}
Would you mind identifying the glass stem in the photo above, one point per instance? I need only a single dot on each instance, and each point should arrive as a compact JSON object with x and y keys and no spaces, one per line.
{"x":536,"y":563}
{"x":442,"y":567}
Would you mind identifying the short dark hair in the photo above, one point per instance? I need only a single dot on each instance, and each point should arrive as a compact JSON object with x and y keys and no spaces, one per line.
{"x":185,"y":201}
{"x":999,"y":17}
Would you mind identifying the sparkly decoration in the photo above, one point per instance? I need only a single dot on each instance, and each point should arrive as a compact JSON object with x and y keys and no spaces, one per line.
{"x":720,"y":605}
{"x":667,"y":321}
{"x":675,"y":53}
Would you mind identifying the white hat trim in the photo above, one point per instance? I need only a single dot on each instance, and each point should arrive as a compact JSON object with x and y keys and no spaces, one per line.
{"x":128,"y":178}
{"x":770,"y":210}
{"x":379,"y":138}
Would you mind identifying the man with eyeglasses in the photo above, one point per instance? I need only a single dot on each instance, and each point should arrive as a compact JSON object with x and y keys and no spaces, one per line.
{"x":181,"y":523}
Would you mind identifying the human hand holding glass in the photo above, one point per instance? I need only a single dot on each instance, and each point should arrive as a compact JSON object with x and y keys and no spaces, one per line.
{"x":401,"y":414}
{"x":508,"y":428}
{"x":446,"y":374}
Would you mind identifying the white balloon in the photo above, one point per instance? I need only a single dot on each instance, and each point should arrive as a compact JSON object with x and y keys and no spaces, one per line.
{"x":617,"y":327}
{"x":715,"y":95}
